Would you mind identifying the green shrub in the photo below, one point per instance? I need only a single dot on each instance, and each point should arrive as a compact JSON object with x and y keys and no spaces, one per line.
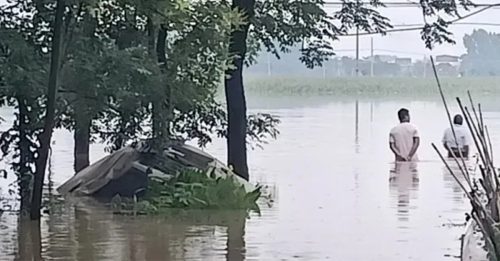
{"x":191,"y":189}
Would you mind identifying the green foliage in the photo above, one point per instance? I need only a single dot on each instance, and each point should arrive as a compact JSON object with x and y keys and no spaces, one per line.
{"x":436,"y":30}
{"x":483,"y":55}
{"x":105,"y":44}
{"x":191,"y":189}
{"x":279,"y":25}
{"x":207,"y":120}
{"x":191,"y":50}
{"x":111,"y":75}
{"x":22,"y":86}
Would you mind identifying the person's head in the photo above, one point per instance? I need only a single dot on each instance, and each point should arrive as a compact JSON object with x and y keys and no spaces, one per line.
{"x":458,"y":120}
{"x":404,"y":115}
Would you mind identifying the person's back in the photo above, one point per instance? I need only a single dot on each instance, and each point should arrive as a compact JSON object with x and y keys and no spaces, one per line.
{"x":404,"y":138}
{"x":402,"y":135}
{"x":461,"y":145}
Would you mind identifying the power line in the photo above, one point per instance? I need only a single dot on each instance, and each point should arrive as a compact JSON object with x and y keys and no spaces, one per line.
{"x":377,"y":50}
{"x":420,"y":27}
{"x":403,"y":4}
{"x":471,"y":23}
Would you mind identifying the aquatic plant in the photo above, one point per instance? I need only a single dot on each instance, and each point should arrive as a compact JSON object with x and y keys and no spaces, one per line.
{"x":190,"y":189}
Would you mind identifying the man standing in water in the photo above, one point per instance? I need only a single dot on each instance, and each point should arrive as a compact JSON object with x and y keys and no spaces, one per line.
{"x":404,"y":138}
{"x":462,"y":143}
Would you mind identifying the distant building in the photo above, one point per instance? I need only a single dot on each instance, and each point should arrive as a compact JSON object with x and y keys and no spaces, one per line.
{"x":403,"y":61}
{"x":406,"y":65}
{"x":448,"y":65}
{"x":451,"y":59}
{"x":385,"y":58}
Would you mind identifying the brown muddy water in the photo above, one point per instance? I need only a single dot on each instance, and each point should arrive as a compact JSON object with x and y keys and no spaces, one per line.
{"x":337,"y":196}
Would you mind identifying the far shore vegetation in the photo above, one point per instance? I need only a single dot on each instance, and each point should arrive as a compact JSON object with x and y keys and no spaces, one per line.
{"x":369,"y":86}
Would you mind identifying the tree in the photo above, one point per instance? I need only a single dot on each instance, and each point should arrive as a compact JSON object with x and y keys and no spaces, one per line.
{"x":46,"y":135}
{"x":100,"y":47}
{"x":279,"y":24}
{"x":23,"y":72}
{"x":276,"y":26}
{"x":482,"y":56}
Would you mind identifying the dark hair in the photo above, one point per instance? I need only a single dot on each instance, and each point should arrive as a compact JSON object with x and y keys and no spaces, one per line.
{"x":403,"y":113}
{"x":458,"y":119}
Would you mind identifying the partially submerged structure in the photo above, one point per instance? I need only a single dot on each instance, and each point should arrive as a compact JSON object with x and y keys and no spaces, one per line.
{"x":126,"y":172}
{"x":473,"y":245}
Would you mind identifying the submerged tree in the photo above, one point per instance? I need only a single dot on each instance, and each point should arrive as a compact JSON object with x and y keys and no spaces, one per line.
{"x":49,"y":119}
{"x":112,"y":86}
{"x":23,"y":83}
{"x":277,"y":25}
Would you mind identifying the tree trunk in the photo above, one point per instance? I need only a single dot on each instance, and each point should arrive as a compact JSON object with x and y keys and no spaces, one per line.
{"x":235,"y":93}
{"x":236,"y":236}
{"x":82,"y":141}
{"x":25,"y":156}
{"x":159,"y":123}
{"x":150,"y":27}
{"x":29,"y":243}
{"x":46,"y":135}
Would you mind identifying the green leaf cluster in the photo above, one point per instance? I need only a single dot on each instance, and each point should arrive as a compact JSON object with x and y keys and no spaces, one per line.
{"x":191,"y":189}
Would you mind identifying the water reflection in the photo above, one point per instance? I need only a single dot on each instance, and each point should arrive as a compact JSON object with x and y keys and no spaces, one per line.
{"x":404,"y":181}
{"x":29,"y":241}
{"x":452,"y":184}
{"x":91,"y":232}
{"x":356,"y":128}
{"x":341,"y":194}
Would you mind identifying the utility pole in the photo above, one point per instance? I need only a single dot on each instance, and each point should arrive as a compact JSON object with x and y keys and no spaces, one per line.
{"x":371,"y":57}
{"x":425,"y":66}
{"x":268,"y":64}
{"x":357,"y":42}
{"x":357,"y":51}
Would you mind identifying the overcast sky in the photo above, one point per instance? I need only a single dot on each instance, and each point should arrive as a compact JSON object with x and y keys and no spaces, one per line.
{"x":409,"y":43}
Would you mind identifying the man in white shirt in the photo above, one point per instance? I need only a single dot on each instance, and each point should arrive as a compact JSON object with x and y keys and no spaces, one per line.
{"x":461,"y":144}
{"x":404,"y":138}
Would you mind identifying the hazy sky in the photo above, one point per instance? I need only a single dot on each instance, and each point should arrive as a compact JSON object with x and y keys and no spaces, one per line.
{"x":409,"y":43}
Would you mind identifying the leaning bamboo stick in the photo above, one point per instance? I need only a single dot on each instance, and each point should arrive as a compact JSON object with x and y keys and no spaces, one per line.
{"x":490,"y":153}
{"x":464,"y":171}
{"x":481,"y":146}
{"x":479,"y":129}
{"x":452,"y":173}
{"x":473,"y":107}
{"x":489,"y":142}
{"x":482,"y":213}
{"x":471,"y":129}
{"x":481,"y":118}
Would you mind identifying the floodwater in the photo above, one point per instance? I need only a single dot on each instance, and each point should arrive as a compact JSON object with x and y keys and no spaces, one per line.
{"x":337,"y":196}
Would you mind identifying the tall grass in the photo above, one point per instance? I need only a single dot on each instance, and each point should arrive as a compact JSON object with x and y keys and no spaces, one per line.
{"x":366,"y":86}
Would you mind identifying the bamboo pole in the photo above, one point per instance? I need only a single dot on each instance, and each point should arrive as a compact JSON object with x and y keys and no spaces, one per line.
{"x":486,"y":215}
{"x":464,"y":171}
